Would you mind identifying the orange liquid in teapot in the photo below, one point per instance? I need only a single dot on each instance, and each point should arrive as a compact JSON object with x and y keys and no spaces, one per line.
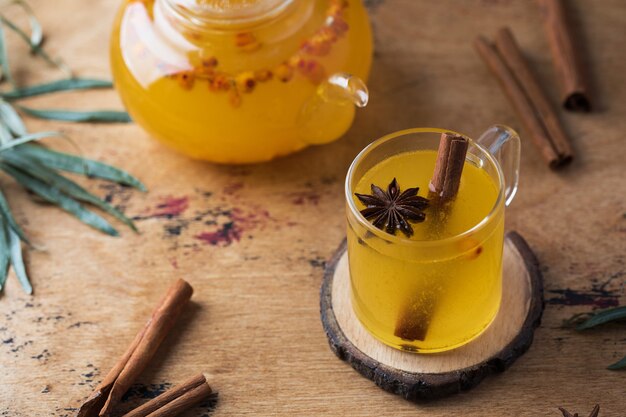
{"x":239,"y":96}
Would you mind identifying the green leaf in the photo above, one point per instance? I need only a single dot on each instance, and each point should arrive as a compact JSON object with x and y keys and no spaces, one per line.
{"x":5,"y":134}
{"x":5,"y":211}
{"x":36,"y":49}
{"x":67,"y":84}
{"x":69,"y":187}
{"x":53,"y":195}
{"x":12,"y":119}
{"x":79,"y":165}
{"x":36,"y":32}
{"x":29,"y":138}
{"x":18,"y":262}
{"x":94,"y":116}
{"x":602,"y":317}
{"x":618,"y":365}
{"x":4,"y":57}
{"x":5,"y":255}
{"x":36,"y":36}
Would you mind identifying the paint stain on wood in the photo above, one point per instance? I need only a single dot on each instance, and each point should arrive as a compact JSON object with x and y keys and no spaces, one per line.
{"x":204,"y":218}
{"x":227,"y":234}
{"x":233,"y":188}
{"x":301,"y":198}
{"x":603,"y":293}
{"x":232,"y":231}
{"x":116,"y":194}
{"x":169,"y":207}
{"x":570,"y":297}
{"x":43,"y":356}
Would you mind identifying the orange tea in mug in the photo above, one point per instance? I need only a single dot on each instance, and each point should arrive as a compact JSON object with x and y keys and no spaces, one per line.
{"x":438,"y":285}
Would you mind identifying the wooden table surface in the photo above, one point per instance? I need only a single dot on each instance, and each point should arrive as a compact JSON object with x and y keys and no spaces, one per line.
{"x":253,"y":240}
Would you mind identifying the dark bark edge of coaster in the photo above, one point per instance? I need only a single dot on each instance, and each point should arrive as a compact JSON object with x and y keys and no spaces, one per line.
{"x":427,"y":386}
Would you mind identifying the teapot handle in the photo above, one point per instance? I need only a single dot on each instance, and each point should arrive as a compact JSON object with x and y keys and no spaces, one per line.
{"x":328,"y":106}
{"x":346,"y":88}
{"x":504,"y":144}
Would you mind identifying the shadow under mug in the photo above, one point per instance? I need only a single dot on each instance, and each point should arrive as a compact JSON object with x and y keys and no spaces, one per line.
{"x":431,"y":295}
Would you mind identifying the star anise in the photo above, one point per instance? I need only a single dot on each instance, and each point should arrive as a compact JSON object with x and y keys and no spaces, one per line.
{"x":392,"y":210}
{"x":594,"y":412}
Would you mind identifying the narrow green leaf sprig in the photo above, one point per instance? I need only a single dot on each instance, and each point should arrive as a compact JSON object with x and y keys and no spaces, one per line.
{"x":35,"y":40}
{"x":38,"y":168}
{"x":587,"y":321}
{"x":67,"y":84}
{"x":94,"y":116}
{"x":602,"y":317}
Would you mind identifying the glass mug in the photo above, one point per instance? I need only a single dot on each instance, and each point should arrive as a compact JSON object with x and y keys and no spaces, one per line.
{"x":436,"y":292}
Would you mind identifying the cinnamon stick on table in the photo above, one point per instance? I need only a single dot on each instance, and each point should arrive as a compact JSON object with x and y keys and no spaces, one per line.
{"x":574,"y":86}
{"x":415,"y":316}
{"x":104,"y":398}
{"x":528,"y":99}
{"x":175,"y":401}
{"x":512,"y":55}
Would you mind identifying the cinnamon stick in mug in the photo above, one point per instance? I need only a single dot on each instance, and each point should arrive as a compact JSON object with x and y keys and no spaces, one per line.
{"x":565,"y":56}
{"x":449,"y":166}
{"x":139,"y":353}
{"x":416,"y":314}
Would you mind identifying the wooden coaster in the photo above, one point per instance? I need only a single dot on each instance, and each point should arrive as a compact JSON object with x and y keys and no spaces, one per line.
{"x":428,"y":376}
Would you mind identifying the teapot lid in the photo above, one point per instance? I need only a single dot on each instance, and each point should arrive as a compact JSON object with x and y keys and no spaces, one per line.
{"x":229,"y":12}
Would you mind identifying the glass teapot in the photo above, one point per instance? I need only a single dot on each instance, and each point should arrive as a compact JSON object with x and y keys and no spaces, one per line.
{"x":241,"y":81}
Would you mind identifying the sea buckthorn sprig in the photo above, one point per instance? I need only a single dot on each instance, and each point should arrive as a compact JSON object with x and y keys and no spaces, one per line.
{"x":40,"y":169}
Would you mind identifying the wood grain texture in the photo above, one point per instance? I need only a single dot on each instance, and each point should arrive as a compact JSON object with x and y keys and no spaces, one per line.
{"x":252,"y":241}
{"x":428,"y":377}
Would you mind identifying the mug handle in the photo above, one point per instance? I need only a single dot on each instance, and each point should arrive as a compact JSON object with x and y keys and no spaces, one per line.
{"x":504,"y":144}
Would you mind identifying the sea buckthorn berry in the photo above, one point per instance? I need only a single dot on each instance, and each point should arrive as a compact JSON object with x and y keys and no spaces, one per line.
{"x":328,"y":34}
{"x":244,"y":38}
{"x":471,"y":248}
{"x":313,"y":70}
{"x":211,"y":61}
{"x":306,"y":46}
{"x":245,"y":82}
{"x":295,"y":61}
{"x":338,"y":25}
{"x":284,"y":72}
{"x":220,"y":82}
{"x":206,"y":66}
{"x":263,"y":75}
{"x":317,"y":46}
{"x":247,"y":42}
{"x":186,"y":79}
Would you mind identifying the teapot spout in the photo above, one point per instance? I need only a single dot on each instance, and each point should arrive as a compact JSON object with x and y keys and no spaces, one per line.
{"x":329,"y":113}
